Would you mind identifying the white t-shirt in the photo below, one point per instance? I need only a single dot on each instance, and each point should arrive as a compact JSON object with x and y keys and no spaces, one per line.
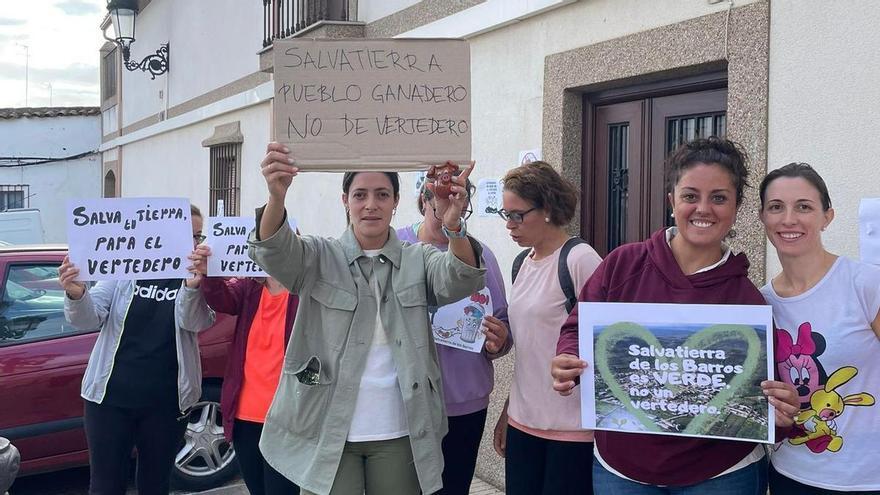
{"x":379,"y":413}
{"x":823,"y":333}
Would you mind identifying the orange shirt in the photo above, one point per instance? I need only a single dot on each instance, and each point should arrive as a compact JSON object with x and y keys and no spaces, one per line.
{"x":263,"y":358}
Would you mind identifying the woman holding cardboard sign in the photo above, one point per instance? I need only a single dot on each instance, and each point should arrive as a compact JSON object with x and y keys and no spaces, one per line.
{"x":827,"y":313}
{"x":143,"y":372}
{"x":359,"y":407}
{"x":686,"y":264}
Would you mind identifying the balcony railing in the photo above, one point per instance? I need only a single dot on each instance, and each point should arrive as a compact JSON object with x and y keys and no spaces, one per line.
{"x":283,"y":18}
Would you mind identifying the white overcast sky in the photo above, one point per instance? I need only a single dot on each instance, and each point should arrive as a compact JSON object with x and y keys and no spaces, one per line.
{"x":63,"y":39}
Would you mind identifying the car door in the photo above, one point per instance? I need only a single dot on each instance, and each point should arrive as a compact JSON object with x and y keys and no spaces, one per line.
{"x":42,"y":360}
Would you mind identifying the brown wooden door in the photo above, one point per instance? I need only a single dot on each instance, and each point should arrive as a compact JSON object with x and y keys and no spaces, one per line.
{"x":626,"y":144}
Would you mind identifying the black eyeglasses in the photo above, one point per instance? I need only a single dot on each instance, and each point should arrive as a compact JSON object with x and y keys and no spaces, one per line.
{"x":516,"y":216}
{"x":199,"y":238}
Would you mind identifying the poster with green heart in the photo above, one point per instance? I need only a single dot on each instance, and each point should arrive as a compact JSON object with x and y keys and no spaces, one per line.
{"x":677,"y":369}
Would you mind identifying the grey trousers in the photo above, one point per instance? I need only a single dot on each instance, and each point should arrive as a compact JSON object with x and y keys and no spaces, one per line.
{"x":376,"y":468}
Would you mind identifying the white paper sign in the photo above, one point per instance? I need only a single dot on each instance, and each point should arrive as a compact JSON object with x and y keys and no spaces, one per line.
{"x":529,"y":156}
{"x":869,"y":230}
{"x":130,"y":238}
{"x":421,"y":177}
{"x":488,"y":197}
{"x":227,"y":238}
{"x":459,"y":324}
{"x":677,"y":369}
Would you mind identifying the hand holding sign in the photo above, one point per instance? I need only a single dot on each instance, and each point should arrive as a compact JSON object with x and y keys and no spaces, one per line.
{"x":565,"y":368}
{"x":67,"y":276}
{"x":496,"y":334}
{"x":278,"y":170}
{"x":785,"y":399}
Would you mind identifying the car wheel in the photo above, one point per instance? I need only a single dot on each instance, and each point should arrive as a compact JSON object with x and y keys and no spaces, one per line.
{"x":206,"y":459}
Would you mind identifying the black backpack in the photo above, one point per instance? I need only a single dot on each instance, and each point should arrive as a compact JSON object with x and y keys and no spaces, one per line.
{"x":565,"y":281}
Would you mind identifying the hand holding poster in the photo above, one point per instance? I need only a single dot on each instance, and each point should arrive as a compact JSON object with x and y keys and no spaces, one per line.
{"x":227,"y":238}
{"x":130,"y":238}
{"x":678,"y":369}
{"x":400,"y":105}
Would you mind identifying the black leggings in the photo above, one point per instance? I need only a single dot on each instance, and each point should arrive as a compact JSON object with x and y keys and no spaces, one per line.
{"x":260,"y":477}
{"x":536,"y":466}
{"x":460,"y":448}
{"x":783,"y":485}
{"x":113,"y":431}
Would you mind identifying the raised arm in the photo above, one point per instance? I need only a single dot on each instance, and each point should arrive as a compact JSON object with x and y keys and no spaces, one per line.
{"x":279,"y":171}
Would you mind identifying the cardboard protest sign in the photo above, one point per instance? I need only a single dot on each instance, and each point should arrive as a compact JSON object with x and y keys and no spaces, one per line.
{"x":459,"y":324}
{"x":130,"y":238}
{"x":677,"y":369}
{"x":869,"y":230}
{"x":227,"y":238}
{"x":373,"y":104}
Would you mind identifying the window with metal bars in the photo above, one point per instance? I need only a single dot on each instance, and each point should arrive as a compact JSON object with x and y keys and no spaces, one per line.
{"x":14,"y":196}
{"x":225,"y":183}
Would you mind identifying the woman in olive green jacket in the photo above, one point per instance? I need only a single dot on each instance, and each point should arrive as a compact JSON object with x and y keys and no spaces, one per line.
{"x":359,"y":407}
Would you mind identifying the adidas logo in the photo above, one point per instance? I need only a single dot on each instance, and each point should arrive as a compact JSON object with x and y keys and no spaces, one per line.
{"x":153,"y":292}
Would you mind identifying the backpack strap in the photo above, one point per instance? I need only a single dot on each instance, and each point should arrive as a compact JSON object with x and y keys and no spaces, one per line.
{"x":565,"y":281}
{"x":517,"y":263}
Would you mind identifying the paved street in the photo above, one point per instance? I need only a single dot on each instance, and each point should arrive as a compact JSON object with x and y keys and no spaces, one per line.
{"x":76,"y":482}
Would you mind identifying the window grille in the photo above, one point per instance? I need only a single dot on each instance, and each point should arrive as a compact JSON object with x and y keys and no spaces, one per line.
{"x":225,"y":178}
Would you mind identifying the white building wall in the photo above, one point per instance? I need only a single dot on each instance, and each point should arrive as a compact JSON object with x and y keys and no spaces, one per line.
{"x":824,"y":96}
{"x":372,"y":10}
{"x":212,"y":43}
{"x":49,"y":136}
{"x":52,"y":184}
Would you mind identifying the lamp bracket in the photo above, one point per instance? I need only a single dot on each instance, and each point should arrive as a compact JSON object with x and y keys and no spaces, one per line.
{"x":156,"y":64}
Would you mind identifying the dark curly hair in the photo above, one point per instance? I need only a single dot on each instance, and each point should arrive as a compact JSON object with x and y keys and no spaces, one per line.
{"x":711,"y":151}
{"x":540,"y":184}
{"x":802,"y":170}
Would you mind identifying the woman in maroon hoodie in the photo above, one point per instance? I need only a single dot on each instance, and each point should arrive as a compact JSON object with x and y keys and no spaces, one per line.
{"x":687,"y":264}
{"x":265,"y":313}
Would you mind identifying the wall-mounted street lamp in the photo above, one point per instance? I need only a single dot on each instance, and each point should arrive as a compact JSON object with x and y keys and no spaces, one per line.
{"x":122,"y":15}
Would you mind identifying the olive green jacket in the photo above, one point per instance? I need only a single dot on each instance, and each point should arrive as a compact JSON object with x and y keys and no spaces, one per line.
{"x":308,"y":422}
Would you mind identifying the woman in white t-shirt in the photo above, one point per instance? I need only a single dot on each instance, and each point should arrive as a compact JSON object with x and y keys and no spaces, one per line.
{"x":827,"y":313}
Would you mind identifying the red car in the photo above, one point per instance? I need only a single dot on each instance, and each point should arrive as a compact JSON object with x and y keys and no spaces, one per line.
{"x":42,"y":361}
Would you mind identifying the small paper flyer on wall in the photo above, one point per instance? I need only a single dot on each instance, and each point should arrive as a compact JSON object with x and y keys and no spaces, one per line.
{"x":677,"y":369}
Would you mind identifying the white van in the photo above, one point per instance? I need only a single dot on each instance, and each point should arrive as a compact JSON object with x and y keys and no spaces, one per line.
{"x":21,"y":226}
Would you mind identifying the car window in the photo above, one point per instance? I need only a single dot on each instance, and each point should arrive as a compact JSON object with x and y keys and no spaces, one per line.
{"x":32,"y":305}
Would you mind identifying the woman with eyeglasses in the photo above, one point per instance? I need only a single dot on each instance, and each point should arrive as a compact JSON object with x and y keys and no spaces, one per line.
{"x":468,"y":377}
{"x":539,"y":434}
{"x":143,"y":373}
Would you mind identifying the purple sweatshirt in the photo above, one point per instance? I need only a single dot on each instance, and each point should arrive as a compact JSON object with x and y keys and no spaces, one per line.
{"x":647,"y":272}
{"x":468,"y":377}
